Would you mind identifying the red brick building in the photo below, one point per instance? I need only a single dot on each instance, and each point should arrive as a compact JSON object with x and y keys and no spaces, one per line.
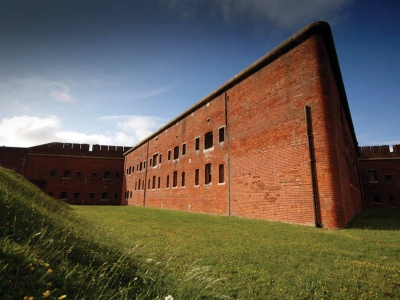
{"x":71,"y":172}
{"x":380,"y":176}
{"x":275,"y":142}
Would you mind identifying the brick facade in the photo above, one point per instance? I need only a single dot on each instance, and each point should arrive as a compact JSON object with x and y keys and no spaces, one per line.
{"x":71,"y":172}
{"x":380,"y":176}
{"x":278,"y":162}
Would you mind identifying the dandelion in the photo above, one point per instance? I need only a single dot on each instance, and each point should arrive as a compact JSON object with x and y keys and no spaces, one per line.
{"x":49,"y":271}
{"x":47,"y":265}
{"x":169,"y":297}
{"x":46,"y":294}
{"x":62,"y":297}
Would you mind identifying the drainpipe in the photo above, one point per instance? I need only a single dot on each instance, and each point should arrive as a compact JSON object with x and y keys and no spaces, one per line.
{"x":310,"y":138}
{"x":145,"y":174}
{"x":229,"y":151}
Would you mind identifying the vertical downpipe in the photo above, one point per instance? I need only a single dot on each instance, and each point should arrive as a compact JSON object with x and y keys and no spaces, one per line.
{"x":310,"y":138}
{"x":145,"y":174}
{"x":229,"y":151}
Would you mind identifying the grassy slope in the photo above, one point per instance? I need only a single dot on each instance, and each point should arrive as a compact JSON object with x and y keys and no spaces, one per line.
{"x":262,"y":259}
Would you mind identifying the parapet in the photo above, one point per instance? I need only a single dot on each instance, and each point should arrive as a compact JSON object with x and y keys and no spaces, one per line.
{"x":79,"y":150}
{"x":382,"y":151}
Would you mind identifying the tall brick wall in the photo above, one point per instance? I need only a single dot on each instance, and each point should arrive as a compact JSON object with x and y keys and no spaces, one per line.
{"x":266,"y":151}
{"x":71,"y":172}
{"x":380,"y":176}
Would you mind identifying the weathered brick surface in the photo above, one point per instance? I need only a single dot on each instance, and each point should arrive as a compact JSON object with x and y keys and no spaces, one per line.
{"x":266,"y":152}
{"x":384,"y":192}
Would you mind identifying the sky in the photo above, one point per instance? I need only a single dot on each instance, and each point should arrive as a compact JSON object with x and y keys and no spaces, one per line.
{"x":113,"y":72}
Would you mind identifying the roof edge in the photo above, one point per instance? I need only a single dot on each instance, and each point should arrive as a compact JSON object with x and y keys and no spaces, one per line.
{"x":319,"y":27}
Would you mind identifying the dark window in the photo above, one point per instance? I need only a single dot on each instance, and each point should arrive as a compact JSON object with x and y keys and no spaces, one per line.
{"x":76,"y":195}
{"x":107,"y":176}
{"x":221,"y":134}
{"x":148,"y":184}
{"x":167,"y":181}
{"x":196,"y":176}
{"x":104,"y":196}
{"x":208,"y":140}
{"x":67,"y":174}
{"x":139,"y":184}
{"x":64,"y":195}
{"x":116,"y":196}
{"x":175,"y":179}
{"x":197,"y":144}
{"x":144,"y":165}
{"x":140,"y":168}
{"x":391,"y":201}
{"x":183,"y":149}
{"x":133,"y":169}
{"x":159,"y":182}
{"x":183,"y":178}
{"x":221,"y":178}
{"x":117,"y":175}
{"x":169,"y":154}
{"x":94,"y":175}
{"x":388,"y":177}
{"x":159,"y":160}
{"x":176,"y":152}
{"x":53,"y":173}
{"x":130,"y":193}
{"x":372,"y":176}
{"x":207,"y":174}
{"x":127,"y":171}
{"x":154,"y":182}
{"x":377,"y":200}
{"x":91,"y":195}
{"x":79,"y":174}
{"x":130,"y":170}
{"x":151,"y":162}
{"x":155,"y":158}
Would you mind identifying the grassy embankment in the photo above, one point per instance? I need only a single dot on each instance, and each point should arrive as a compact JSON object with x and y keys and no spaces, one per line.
{"x":255,"y":259}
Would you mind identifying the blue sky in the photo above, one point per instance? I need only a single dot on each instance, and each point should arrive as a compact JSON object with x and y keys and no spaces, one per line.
{"x":112,"y":72}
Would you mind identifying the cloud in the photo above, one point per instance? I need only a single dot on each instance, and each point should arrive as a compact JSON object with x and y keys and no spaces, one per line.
{"x":26,"y":131}
{"x":138,"y":126}
{"x":154,"y":92}
{"x":283,"y":13}
{"x":61,"y":96}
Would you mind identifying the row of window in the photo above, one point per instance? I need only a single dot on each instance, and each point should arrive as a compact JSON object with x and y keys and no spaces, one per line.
{"x":373,"y":176}
{"x":157,"y":157}
{"x":64,"y":196}
{"x":391,"y":200}
{"x":67,"y":175}
{"x":156,"y":182}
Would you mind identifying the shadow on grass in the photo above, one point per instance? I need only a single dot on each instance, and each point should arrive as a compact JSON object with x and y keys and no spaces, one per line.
{"x":376,"y":219}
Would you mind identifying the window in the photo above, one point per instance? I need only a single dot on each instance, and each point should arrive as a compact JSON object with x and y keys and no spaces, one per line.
{"x":196,"y":177}
{"x":155,"y":159}
{"x":67,"y":174}
{"x":94,"y":175}
{"x":154,"y":182}
{"x":388,"y":177}
{"x":184,"y":149}
{"x":221,"y":178}
{"x":104,"y":196}
{"x":91,"y":195}
{"x":175,"y":179}
{"x":79,"y":174}
{"x":391,"y":201}
{"x":127,"y":171}
{"x":139,"y":184}
{"x":372,"y":176}
{"x":117,"y":174}
{"x":221,"y":134}
{"x":53,"y":173}
{"x":107,"y":176}
{"x":176,"y":152}
{"x":169,"y":154}
{"x":130,"y":194}
{"x":64,"y":195}
{"x":197,"y":144}
{"x":167,"y":181}
{"x":207,"y":174}
{"x":130,"y":170}
{"x":76,"y":195}
{"x":151,"y":162}
{"x":116,"y":196}
{"x":183,"y":179}
{"x":140,"y":167}
{"x":144,"y":165}
{"x":133,"y":169}
{"x":208,"y":140}
{"x":377,"y":200}
{"x":159,"y":182}
{"x":148,"y":184}
{"x":159,"y":159}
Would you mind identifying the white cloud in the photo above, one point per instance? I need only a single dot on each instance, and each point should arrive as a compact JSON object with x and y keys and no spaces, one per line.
{"x":61,"y":96}
{"x":284,"y":13}
{"x":154,"y":92}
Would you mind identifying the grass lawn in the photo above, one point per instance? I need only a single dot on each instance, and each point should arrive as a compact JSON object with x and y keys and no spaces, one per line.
{"x":260,"y":259}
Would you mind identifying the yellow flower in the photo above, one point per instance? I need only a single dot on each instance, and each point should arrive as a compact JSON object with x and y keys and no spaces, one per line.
{"x":62,"y":297}
{"x":46,"y":294}
{"x":47,"y":265}
{"x":49,"y":271}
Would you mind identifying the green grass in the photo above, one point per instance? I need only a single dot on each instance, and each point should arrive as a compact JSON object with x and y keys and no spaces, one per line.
{"x":142,"y":253}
